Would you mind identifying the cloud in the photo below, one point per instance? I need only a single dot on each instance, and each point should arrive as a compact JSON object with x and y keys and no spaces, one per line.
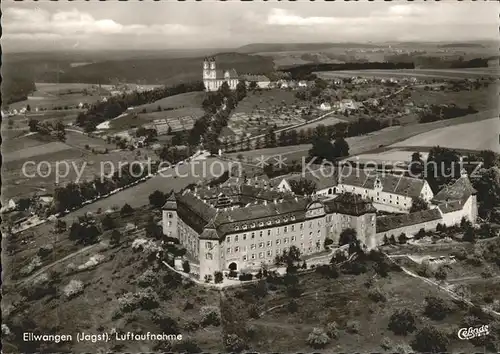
{"x":74,"y":22}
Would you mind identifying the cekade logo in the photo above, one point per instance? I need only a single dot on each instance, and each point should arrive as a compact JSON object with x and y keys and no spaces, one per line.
{"x":471,"y":332}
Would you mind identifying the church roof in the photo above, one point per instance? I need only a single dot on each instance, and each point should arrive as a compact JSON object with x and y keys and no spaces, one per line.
{"x":219,"y":74}
{"x":461,"y":189}
{"x":170,"y":203}
{"x":391,"y":183}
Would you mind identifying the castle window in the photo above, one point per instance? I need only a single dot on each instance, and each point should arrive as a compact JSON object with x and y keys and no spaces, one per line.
{"x":261,"y":244}
{"x":208,"y":245}
{"x":269,"y":232}
{"x":236,"y":228}
{"x":293,"y":218}
{"x":253,"y":225}
{"x":301,"y":225}
{"x":237,"y":249}
{"x":261,"y":224}
{"x":260,"y":234}
{"x":245,"y":257}
{"x":169,"y":223}
{"x":244,"y":236}
{"x":228,"y":239}
{"x":245,"y":227}
{"x":285,"y":240}
{"x":252,"y":246}
{"x":228,"y":250}
{"x":170,"y":215}
{"x":269,"y":222}
{"x":253,"y":235}
{"x":253,"y":255}
{"x":269,"y":253}
{"x":261,"y":254}
{"x":278,"y":241}
{"x":236,"y":238}
{"x":285,"y":229}
{"x":293,"y":238}
{"x":278,"y":251}
{"x":208,"y":256}
{"x":268,"y":243}
{"x":293,"y":227}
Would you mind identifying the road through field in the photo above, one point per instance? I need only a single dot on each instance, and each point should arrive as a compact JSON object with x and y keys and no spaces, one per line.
{"x":173,"y":179}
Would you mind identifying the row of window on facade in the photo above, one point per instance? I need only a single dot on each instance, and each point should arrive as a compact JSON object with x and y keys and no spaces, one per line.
{"x":378,"y":197}
{"x":261,"y":233}
{"x":269,"y":253}
{"x":261,"y":224}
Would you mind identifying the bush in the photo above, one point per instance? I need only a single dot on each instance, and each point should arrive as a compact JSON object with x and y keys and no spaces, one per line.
{"x":353,"y":326}
{"x":74,"y":288}
{"x":292,"y":306}
{"x":386,"y":343}
{"x":233,"y":343}
{"x":126,"y":210}
{"x":147,"y":279}
{"x":218,"y":277}
{"x":402,"y":322}
{"x":441,"y":274}
{"x":317,"y":339}
{"x":377,"y":295}
{"x":186,"y":267}
{"x":332,"y":330}
{"x":254,"y":311}
{"x":424,"y":270}
{"x":436,"y":308}
{"x":45,"y":250}
{"x":430,"y":340}
{"x":210,"y":316}
{"x":245,"y":277}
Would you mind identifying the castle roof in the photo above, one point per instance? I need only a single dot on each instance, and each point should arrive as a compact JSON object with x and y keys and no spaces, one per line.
{"x":391,"y":183}
{"x":386,"y":223}
{"x":170,"y":203}
{"x":461,"y":189}
{"x":349,"y":204}
{"x":323,"y":178}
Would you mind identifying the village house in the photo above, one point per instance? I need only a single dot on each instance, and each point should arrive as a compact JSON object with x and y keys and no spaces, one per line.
{"x":262,"y":81}
{"x":214,"y":78}
{"x":324,"y":180}
{"x":325,"y":106}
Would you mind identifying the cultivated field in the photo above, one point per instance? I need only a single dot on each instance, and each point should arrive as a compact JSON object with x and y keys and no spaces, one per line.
{"x":189,"y":99}
{"x":49,"y":96}
{"x":472,"y":73}
{"x":482,"y":135}
{"x":366,"y":143}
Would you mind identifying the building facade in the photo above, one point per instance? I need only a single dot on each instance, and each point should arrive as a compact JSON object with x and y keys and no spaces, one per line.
{"x":214,"y":78}
{"x":241,"y":226}
{"x":388,"y":192}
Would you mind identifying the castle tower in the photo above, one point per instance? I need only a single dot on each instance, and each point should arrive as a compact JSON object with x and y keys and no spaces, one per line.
{"x":169,"y":217}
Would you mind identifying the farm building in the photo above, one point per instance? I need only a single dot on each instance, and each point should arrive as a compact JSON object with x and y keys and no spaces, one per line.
{"x":262,"y":81}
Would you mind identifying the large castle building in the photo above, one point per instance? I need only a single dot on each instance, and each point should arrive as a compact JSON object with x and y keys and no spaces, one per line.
{"x":241,"y":226}
{"x":213,"y":78}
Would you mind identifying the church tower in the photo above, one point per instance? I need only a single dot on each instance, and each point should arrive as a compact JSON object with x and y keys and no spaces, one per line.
{"x":213,"y":74}
{"x":206,"y":69}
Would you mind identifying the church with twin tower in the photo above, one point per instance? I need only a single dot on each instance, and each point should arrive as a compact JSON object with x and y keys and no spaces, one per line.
{"x":213,"y":78}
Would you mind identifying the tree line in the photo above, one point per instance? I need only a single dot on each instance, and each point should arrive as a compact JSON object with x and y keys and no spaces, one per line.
{"x":440,"y":112}
{"x":116,"y":105}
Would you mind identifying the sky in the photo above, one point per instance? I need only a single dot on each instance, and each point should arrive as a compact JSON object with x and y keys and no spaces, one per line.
{"x":49,"y":26}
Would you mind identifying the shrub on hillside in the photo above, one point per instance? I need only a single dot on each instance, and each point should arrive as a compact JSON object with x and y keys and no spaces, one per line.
{"x":147,"y":279}
{"x":245,"y":277}
{"x":317,"y":339}
{"x":377,"y":295}
{"x":353,"y":326}
{"x":234,"y":343}
{"x":332,"y":330}
{"x":210,"y":316}
{"x":430,"y":340}
{"x":74,"y":288}
{"x":440,"y":274}
{"x":292,"y":306}
{"x":424,"y":270}
{"x":436,"y":308}
{"x":402,"y":322}
{"x":386,"y":343}
{"x":218,"y":277}
{"x":145,"y":299}
{"x":254,"y":311}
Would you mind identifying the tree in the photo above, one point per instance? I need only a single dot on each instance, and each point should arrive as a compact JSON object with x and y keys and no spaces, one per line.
{"x":107,"y":222}
{"x":441,"y":274}
{"x":340,"y":147}
{"x":402,"y":238}
{"x":323,"y":149}
{"x":218,"y":277}
{"x":157,"y":199}
{"x":253,"y":86}
{"x":436,"y":308}
{"x":347,"y":236}
{"x":126,"y":210}
{"x":402,"y":322}
{"x":233,"y":343}
{"x":418,"y":204}
{"x":186,"y":267}
{"x":430,"y":340}
{"x":33,"y":125}
{"x":317,"y":339}
{"x":115,"y":237}
{"x":303,"y":187}
{"x":469,"y":234}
